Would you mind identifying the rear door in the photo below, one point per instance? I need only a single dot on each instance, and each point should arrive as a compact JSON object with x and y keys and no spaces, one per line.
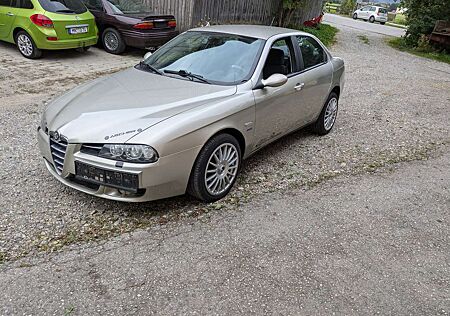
{"x":315,"y":78}
{"x":71,"y":19}
{"x":7,"y":17}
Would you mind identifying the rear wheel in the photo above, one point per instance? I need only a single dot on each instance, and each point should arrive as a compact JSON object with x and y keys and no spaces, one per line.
{"x":372,"y":19}
{"x":26,"y":46}
{"x":382,"y":23}
{"x":327,"y":117}
{"x":355,"y":16}
{"x":216,"y":169}
{"x":113,"y":42}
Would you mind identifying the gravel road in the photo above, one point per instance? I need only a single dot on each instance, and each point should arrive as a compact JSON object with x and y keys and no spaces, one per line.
{"x":395,"y":108}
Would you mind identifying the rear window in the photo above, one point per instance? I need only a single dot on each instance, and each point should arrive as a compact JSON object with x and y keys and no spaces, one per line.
{"x":382,"y":10}
{"x":63,"y":6}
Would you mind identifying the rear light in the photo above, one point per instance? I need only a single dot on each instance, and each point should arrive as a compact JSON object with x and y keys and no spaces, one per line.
{"x":41,"y":20}
{"x":172,"y":23}
{"x":52,"y":38}
{"x":144,"y":26}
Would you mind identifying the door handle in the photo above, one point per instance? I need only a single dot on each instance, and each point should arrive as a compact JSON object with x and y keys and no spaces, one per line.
{"x":299,"y":86}
{"x":10,"y":14}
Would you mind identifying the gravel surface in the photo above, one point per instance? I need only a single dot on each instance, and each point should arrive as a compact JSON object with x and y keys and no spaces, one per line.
{"x":370,"y":244}
{"x":395,"y":108}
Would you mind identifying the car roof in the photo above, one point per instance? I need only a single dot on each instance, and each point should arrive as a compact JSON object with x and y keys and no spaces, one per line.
{"x":255,"y":31}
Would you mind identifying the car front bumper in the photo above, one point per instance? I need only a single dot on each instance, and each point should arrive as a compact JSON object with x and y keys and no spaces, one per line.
{"x":165,"y":178}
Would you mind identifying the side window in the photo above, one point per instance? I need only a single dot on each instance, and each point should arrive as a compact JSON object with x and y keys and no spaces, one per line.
{"x":279,"y":59}
{"x":93,"y":4}
{"x":23,"y":4}
{"x":5,"y":3}
{"x":365,"y":9}
{"x":312,"y":53}
{"x":373,"y":9}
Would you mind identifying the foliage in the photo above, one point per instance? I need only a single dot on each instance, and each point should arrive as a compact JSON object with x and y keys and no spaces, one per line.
{"x":400,"y":19}
{"x":422,"y":16}
{"x":287,"y":8}
{"x":326,"y":33}
{"x":423,"y":49}
{"x":347,"y":7}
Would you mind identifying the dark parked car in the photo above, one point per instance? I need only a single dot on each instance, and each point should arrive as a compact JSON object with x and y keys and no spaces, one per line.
{"x":125,"y":23}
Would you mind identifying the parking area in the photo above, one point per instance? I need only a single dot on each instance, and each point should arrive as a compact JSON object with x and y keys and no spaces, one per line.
{"x":394,"y":109}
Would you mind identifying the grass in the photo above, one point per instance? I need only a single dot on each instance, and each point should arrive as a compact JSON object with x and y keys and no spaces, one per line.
{"x":400,"y":19}
{"x":326,"y":33}
{"x":364,"y":39}
{"x":400,"y":44}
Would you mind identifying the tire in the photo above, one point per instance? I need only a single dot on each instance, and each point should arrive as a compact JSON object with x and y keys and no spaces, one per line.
{"x":322,"y":126}
{"x":26,"y":46}
{"x":113,"y":42}
{"x":211,"y":179}
{"x":371,"y":19}
{"x":382,"y":23}
{"x":355,"y":16}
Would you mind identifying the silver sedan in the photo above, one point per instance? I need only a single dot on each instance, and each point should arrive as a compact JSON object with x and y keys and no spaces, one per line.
{"x":183,"y":119}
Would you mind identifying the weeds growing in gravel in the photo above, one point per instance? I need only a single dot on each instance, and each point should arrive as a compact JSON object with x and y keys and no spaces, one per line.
{"x":364,"y":39}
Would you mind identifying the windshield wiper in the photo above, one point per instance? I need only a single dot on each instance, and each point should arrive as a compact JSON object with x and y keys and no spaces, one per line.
{"x":145,"y":66}
{"x":185,"y":74}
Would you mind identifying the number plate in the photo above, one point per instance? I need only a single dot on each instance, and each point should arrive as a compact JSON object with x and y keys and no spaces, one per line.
{"x":78,"y":30}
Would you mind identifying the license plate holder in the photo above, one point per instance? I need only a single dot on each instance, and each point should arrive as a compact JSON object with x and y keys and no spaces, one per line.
{"x":115,"y":179}
{"x":75,"y":30}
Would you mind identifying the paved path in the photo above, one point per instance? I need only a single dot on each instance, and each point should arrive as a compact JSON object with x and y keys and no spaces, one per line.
{"x":338,"y":20}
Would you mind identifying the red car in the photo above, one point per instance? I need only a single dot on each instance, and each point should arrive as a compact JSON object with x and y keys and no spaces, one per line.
{"x":123,"y":23}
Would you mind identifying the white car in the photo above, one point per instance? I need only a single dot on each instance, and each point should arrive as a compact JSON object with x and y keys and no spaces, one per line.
{"x":371,"y":13}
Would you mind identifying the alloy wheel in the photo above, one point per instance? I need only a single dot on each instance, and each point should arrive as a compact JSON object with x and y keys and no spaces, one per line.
{"x":222,"y":169}
{"x":25,"y":45}
{"x":330,"y":114}
{"x":111,"y":41}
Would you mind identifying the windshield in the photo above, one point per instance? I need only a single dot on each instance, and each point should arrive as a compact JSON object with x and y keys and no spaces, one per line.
{"x":218,"y":58}
{"x":63,"y":6}
{"x":127,"y":7}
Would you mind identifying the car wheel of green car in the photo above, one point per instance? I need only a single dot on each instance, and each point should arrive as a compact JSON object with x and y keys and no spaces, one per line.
{"x":26,"y":46}
{"x":113,"y":42}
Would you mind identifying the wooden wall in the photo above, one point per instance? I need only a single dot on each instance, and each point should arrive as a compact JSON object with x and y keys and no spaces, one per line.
{"x":189,"y":13}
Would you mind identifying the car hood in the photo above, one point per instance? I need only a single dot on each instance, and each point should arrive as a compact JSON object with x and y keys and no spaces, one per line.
{"x":117,"y":108}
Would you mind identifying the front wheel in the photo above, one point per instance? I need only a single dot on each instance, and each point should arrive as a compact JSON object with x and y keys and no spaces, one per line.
{"x":216,"y":169}
{"x":113,"y":42}
{"x":327,"y":117}
{"x":355,"y":16}
{"x":26,"y":46}
{"x":372,"y":19}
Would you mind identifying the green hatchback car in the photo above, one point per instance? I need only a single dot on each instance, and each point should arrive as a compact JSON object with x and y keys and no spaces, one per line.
{"x":36,"y":25}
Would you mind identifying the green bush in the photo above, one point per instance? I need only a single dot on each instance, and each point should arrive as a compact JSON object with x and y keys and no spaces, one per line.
{"x":326,"y":33}
{"x":422,"y":16}
{"x":347,"y":7}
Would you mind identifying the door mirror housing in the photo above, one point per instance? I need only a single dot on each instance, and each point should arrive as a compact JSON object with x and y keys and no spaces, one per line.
{"x":147,"y":55}
{"x":274,"y":81}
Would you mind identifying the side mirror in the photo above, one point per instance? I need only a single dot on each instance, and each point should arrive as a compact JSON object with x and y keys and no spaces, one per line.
{"x":276,"y":80}
{"x":147,"y":55}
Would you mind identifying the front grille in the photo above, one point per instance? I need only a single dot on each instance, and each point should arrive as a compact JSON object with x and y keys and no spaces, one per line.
{"x":58,"y":149}
{"x":91,"y":149}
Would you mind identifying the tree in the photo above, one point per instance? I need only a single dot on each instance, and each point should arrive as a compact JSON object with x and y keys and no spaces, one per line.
{"x":288,"y":8}
{"x":347,"y":7}
{"x":421,"y":17}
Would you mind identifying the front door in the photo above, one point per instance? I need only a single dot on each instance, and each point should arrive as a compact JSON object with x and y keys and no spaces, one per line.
{"x":278,"y":109}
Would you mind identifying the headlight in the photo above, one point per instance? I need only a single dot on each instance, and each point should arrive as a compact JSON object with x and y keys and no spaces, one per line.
{"x":129,"y":153}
